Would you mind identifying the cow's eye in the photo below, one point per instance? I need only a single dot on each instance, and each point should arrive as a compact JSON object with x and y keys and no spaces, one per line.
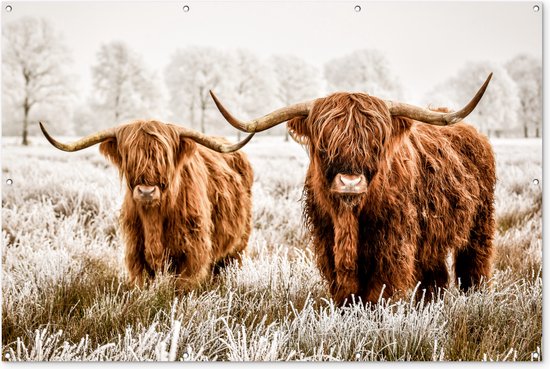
{"x":163,"y":186}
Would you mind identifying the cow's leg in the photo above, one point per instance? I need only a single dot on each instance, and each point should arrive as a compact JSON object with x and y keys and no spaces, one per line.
{"x":134,"y":249}
{"x":242,"y":243}
{"x":191,"y":277}
{"x":325,"y":261}
{"x":345,"y":256}
{"x":239,"y":244}
{"x":195,"y":264}
{"x":136,"y":265}
{"x":322,"y":232}
{"x":433,"y":277}
{"x":473,"y":263}
{"x":235,"y":220}
{"x":234,"y":257}
{"x":135,"y":270}
{"x":155,"y":252}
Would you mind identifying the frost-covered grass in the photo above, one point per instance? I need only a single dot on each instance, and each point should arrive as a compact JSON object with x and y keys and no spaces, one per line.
{"x":65,"y":295}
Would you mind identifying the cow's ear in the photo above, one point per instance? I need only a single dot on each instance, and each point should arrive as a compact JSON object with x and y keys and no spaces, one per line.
{"x":298,"y":129}
{"x":186,"y":148}
{"x":109,"y":149}
{"x":401,"y":125}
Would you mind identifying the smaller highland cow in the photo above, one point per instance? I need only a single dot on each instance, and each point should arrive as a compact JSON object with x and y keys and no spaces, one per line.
{"x":188,"y":203}
{"x":392,"y":190}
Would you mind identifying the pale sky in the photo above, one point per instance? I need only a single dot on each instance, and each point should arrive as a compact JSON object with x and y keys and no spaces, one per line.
{"x":425,"y":42}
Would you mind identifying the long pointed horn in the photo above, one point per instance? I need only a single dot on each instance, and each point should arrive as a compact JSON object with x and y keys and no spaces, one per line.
{"x":211,"y":142}
{"x":267,"y":121}
{"x":83,"y":143}
{"x":433,"y":117}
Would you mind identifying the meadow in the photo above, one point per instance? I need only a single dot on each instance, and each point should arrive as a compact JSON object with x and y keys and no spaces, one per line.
{"x":65,"y":294}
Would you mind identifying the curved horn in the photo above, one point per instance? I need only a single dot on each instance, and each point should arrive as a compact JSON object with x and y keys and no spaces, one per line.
{"x":433,"y":117}
{"x":267,"y":121}
{"x":211,"y":142}
{"x":83,"y":143}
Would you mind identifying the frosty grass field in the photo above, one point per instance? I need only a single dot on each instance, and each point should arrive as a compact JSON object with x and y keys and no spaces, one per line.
{"x":65,"y":297}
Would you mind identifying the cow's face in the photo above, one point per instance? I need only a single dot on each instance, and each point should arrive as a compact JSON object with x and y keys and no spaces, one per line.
{"x":148,"y":155}
{"x":348,"y":137}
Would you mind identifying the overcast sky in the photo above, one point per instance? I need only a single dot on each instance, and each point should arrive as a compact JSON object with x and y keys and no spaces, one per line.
{"x":425,"y":42}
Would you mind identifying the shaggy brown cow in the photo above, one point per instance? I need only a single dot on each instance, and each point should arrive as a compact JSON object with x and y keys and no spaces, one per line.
{"x":187,"y":208}
{"x":388,"y":197}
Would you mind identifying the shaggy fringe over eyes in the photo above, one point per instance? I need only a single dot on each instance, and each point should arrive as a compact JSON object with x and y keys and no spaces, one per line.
{"x":155,"y":162}
{"x":353,"y":127}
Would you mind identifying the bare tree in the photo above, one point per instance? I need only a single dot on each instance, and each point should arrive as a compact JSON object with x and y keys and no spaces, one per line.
{"x":363,"y":71}
{"x":526,"y":71}
{"x":296,"y":80}
{"x":189,"y":76}
{"x":124,"y":87}
{"x":34,"y":62}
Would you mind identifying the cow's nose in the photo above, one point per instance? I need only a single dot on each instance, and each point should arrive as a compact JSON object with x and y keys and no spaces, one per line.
{"x":146,"y":191}
{"x":349,"y":184}
{"x":146,"y":195}
{"x":350,"y":180}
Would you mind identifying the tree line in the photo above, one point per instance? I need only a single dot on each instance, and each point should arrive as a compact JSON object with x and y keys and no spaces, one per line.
{"x":38,"y":85}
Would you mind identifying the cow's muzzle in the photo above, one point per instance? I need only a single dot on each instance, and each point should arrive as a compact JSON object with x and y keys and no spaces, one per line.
{"x":349,"y":184}
{"x":146,"y":194}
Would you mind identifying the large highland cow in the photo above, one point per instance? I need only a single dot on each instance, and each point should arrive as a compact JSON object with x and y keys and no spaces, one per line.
{"x":387,"y":196}
{"x":187,"y":208}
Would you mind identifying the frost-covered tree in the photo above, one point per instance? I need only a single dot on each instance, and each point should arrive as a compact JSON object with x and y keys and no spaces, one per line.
{"x":189,"y":76}
{"x":526,"y":71}
{"x":249,"y":88}
{"x":36,"y":82}
{"x":124,"y":88}
{"x":296,"y":80}
{"x":496,"y":113}
{"x":363,"y":71}
{"x":87,"y":119}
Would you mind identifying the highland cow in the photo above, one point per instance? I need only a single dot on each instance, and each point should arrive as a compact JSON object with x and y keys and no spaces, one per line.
{"x":187,"y":207}
{"x":390,"y":191}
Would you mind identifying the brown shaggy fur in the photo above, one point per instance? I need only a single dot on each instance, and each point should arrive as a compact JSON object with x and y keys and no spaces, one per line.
{"x":203,"y":215}
{"x":430,"y":193}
